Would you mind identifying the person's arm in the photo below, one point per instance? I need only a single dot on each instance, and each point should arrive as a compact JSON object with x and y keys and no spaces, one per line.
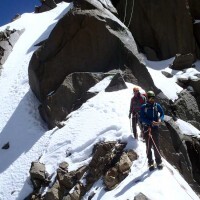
{"x":161,"y":118}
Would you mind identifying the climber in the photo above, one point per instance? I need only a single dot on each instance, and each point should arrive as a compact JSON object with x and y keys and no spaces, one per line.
{"x":173,"y":109}
{"x":135,"y":105}
{"x":152,"y":115}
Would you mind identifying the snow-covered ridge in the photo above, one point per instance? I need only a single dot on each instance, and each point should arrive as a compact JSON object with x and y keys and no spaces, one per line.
{"x":102,"y":118}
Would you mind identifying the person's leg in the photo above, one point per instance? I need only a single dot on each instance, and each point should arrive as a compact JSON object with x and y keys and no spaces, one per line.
{"x":156,"y":146}
{"x":148,"y":148}
{"x":134,"y":125}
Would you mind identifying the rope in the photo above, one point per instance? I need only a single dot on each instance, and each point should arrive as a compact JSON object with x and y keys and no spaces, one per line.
{"x":125,"y":12}
{"x":131,"y":14}
{"x":150,"y":135}
{"x":170,"y":170}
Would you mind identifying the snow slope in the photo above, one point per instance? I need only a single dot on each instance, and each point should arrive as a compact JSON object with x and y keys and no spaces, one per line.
{"x":107,"y":119}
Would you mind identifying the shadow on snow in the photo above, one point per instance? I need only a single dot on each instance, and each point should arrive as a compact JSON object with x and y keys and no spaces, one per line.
{"x":22,"y":131}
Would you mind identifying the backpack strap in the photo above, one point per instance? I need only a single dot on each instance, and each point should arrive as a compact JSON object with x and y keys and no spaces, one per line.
{"x":155,"y":109}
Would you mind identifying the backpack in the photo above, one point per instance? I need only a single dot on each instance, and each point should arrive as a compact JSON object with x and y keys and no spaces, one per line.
{"x":144,"y":94}
{"x":143,"y":98}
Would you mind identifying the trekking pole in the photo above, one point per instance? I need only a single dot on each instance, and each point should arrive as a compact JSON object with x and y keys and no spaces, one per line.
{"x":131,"y":125}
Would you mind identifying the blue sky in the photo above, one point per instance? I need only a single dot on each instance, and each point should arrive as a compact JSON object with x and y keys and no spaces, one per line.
{"x":9,"y":8}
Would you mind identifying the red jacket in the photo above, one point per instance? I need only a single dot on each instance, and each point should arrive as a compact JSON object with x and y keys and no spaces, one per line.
{"x":136,"y":103}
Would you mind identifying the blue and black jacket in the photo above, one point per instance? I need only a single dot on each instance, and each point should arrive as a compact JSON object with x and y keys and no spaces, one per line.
{"x":151,"y":112}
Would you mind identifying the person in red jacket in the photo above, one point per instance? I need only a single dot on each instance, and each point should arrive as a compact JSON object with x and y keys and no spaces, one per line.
{"x":135,"y":106}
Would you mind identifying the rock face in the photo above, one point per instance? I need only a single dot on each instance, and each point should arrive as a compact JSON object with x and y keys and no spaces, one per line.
{"x":8,"y":38}
{"x":182,"y":151}
{"x":194,"y":8}
{"x":187,"y":108}
{"x":197,"y":34}
{"x":46,"y":6}
{"x":77,"y":44}
{"x":65,"y":99}
{"x":168,"y":26}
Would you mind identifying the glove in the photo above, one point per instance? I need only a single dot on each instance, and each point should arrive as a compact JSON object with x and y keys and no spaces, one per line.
{"x":129,"y":116}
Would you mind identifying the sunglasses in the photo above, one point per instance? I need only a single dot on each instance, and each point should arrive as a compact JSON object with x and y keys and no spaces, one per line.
{"x":135,"y":91}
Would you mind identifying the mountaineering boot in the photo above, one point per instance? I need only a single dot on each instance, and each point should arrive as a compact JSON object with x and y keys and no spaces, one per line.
{"x":151,"y":167}
{"x":160,"y":166}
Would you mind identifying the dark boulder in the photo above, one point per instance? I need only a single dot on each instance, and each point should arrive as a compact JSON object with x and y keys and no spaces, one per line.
{"x":193,"y":148}
{"x":116,"y":84}
{"x":195,"y":85}
{"x":194,"y":8}
{"x":187,"y":107}
{"x":46,"y":6}
{"x":165,"y":27}
{"x":182,"y":61}
{"x":6,"y":146}
{"x":141,"y":196}
{"x":77,"y":44}
{"x":197,"y":33}
{"x":174,"y":149}
{"x":118,"y":172}
{"x":167,"y":74}
{"x":65,"y":99}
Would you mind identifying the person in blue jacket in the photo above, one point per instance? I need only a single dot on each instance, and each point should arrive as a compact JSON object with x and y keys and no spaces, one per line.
{"x":152,"y":115}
